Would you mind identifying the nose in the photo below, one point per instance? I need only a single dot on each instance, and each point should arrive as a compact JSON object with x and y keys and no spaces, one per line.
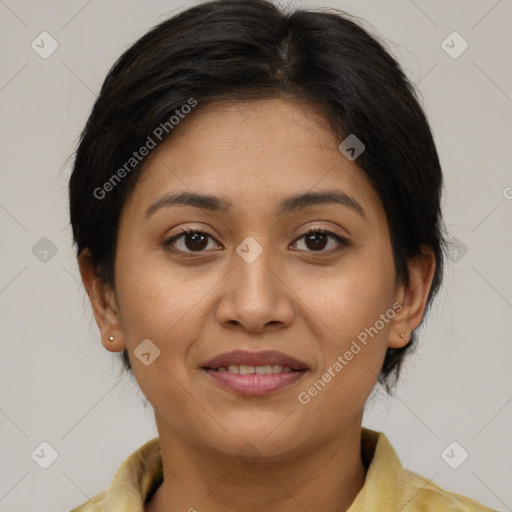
{"x":256,"y":295}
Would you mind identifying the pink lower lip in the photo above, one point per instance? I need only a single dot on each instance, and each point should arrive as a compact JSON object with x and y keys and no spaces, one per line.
{"x":255,"y":383}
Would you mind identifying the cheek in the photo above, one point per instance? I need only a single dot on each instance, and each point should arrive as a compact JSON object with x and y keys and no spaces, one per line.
{"x":163,"y":310}
{"x":352,"y":298}
{"x":157,"y":299}
{"x":357,"y":307}
{"x":359,"y":318}
{"x":170,"y":308}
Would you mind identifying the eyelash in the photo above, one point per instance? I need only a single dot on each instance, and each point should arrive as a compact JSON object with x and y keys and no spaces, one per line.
{"x":187,"y":231}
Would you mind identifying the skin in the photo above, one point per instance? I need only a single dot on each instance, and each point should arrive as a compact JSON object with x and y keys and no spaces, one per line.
{"x":307,"y":303}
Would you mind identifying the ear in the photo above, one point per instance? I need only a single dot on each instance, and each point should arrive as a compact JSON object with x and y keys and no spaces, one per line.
{"x":413,"y":297}
{"x":103,"y":304}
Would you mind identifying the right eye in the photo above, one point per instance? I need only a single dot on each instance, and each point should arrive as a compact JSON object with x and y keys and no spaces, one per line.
{"x":189,"y":241}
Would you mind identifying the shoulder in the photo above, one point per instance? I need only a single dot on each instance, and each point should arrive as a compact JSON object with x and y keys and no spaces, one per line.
{"x":133,"y":481}
{"x":423,"y":495}
{"x":390,"y":487}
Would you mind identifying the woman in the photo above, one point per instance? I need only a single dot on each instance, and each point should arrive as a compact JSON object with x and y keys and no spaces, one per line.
{"x":255,"y":203}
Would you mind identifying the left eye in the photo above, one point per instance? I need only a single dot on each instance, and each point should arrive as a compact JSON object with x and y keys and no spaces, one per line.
{"x":316,"y":240}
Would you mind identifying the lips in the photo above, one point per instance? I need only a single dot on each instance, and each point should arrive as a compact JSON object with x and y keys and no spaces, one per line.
{"x":254,"y":373}
{"x":248,"y":359}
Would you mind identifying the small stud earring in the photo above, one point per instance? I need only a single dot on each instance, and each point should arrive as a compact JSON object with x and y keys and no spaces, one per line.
{"x":111,"y":338}
{"x":402,"y":335}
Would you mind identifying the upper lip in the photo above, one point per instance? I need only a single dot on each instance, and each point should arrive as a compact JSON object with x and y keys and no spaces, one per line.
{"x":264,"y":358}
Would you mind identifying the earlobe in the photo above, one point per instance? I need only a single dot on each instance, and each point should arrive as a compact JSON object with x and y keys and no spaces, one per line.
{"x":400,"y":334}
{"x":103,"y":304}
{"x":413,"y":298}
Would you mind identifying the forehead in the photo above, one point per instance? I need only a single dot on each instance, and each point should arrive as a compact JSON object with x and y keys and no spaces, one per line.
{"x":254,"y":153}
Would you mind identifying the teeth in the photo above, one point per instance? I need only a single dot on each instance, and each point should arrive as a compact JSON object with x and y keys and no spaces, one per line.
{"x":263,"y":370}
{"x":244,"y":369}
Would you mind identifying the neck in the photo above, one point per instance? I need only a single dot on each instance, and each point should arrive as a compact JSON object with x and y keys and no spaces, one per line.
{"x":327,"y":478}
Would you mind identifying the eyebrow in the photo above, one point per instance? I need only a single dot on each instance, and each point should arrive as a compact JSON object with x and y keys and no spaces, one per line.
{"x":287,"y":205}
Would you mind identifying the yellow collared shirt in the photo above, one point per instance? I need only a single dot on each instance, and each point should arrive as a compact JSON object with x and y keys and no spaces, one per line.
{"x":388,"y":486}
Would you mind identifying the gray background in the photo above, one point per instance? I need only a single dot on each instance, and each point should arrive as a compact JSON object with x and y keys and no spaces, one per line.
{"x":58,"y":384}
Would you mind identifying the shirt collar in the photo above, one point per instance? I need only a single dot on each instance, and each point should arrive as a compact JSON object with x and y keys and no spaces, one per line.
{"x":137,"y":478}
{"x":142,"y":473}
{"x":379,"y":491}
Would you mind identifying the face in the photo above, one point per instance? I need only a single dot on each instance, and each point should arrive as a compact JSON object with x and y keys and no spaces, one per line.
{"x":247,"y":277}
